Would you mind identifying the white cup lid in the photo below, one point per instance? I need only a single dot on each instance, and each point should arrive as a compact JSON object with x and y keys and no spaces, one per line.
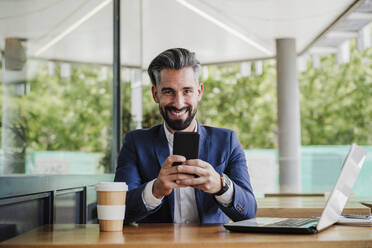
{"x":112,"y":186}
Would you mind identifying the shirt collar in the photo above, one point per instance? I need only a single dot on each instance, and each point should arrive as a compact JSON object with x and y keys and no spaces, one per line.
{"x":170,"y":135}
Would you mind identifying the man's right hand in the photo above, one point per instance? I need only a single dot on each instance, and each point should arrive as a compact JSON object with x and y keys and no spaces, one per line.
{"x":167,"y":177}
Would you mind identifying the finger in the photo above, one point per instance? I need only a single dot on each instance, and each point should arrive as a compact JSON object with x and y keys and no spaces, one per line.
{"x":181,"y":185}
{"x":188,"y":169}
{"x":173,"y":170}
{"x":171,"y":159}
{"x":199,"y":186}
{"x":170,"y":181}
{"x":197,"y":162}
{"x":172,"y":184}
{"x":205,"y":187}
{"x":191,"y":181}
{"x":175,"y":177}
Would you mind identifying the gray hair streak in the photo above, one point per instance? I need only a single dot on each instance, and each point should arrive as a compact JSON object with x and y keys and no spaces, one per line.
{"x":174,"y":59}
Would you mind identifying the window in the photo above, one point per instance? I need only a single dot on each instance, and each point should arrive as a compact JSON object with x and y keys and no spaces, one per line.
{"x":56,"y":86}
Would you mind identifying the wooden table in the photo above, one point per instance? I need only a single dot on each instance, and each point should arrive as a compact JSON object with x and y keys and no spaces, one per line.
{"x":303,"y":207}
{"x":193,"y":236}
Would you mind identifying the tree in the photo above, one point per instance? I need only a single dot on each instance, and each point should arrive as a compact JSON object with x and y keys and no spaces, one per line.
{"x":68,"y":114}
{"x":151,"y":115}
{"x":336,"y":107}
{"x":75,"y":114}
{"x":246,"y":105}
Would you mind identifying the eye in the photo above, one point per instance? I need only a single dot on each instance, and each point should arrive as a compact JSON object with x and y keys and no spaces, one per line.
{"x":167,"y":92}
{"x":188,"y":91}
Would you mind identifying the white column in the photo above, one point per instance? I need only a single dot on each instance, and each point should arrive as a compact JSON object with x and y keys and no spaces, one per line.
{"x":343,"y":52}
{"x":316,"y":61}
{"x":205,"y":73}
{"x":364,"y":38}
{"x":258,"y":67}
{"x":245,"y":69}
{"x":302,"y":63}
{"x":65,"y":70}
{"x":136,"y":102}
{"x":289,"y":133}
{"x":13,"y":125}
{"x":51,"y":68}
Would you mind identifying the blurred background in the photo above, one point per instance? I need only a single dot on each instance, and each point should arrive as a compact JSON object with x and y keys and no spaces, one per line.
{"x":57,"y":109}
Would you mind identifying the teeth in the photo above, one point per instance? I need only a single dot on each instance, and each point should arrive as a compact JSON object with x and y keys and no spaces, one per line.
{"x":178,"y":113}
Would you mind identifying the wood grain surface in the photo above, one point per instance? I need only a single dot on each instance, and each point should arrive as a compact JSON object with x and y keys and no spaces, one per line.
{"x":176,"y":235}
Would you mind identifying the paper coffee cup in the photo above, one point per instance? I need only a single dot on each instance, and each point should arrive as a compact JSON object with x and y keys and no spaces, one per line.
{"x":111,"y":205}
{"x":111,"y":238}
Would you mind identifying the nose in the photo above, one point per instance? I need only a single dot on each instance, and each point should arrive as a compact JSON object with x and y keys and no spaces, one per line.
{"x":179,"y":101}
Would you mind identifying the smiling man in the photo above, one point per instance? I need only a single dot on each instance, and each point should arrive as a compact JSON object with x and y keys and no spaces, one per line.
{"x":160,"y":192}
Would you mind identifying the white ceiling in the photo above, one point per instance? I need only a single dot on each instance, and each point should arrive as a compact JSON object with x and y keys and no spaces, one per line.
{"x":166,"y":24}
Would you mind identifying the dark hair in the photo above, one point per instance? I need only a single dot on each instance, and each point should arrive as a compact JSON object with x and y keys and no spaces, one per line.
{"x":175,"y":58}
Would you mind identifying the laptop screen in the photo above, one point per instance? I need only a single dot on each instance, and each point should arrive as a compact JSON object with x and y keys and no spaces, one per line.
{"x":343,"y":188}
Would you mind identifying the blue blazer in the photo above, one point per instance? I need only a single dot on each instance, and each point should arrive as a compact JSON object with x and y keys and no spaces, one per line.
{"x":145,"y":150}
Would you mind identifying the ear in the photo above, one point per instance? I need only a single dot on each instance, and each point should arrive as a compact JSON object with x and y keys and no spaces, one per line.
{"x":155,"y":94}
{"x":200,"y":91}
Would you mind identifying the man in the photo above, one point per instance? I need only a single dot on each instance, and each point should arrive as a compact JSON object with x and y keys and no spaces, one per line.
{"x":160,"y":192}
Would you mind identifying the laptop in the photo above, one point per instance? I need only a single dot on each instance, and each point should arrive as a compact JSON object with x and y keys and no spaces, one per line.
{"x":333,"y":208}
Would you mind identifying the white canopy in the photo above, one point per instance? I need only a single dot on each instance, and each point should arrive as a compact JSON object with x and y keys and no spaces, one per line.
{"x":218,"y":31}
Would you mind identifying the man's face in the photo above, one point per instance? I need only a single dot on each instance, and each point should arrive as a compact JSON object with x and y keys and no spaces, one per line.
{"x":177,"y":94}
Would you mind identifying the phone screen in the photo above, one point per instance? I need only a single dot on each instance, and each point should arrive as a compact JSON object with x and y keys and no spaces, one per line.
{"x":186,"y":144}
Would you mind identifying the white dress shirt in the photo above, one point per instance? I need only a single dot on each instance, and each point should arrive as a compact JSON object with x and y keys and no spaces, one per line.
{"x":185,"y":208}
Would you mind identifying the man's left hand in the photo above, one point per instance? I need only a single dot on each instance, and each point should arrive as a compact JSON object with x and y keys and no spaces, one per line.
{"x":209,"y":180}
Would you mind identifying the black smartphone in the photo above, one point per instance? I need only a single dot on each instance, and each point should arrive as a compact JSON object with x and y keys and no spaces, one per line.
{"x":186,"y":144}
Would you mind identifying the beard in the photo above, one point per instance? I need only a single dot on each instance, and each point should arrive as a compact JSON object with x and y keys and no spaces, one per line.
{"x":177,"y":124}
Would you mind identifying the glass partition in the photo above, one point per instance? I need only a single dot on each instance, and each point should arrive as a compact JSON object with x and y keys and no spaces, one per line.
{"x":56,"y":86}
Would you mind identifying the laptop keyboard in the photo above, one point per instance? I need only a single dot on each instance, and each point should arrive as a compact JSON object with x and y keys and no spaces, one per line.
{"x":294,"y":222}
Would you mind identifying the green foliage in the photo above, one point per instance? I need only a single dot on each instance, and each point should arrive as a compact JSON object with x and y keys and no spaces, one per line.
{"x":75,"y":114}
{"x":68,"y":114}
{"x":151,"y":114}
{"x":246,"y":105}
{"x":126,"y":118}
{"x":336,"y":107}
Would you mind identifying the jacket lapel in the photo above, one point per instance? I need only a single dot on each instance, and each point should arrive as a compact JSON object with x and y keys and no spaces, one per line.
{"x":203,"y":155}
{"x":161,"y":145}
{"x":162,"y":152}
{"x":203,"y":143}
